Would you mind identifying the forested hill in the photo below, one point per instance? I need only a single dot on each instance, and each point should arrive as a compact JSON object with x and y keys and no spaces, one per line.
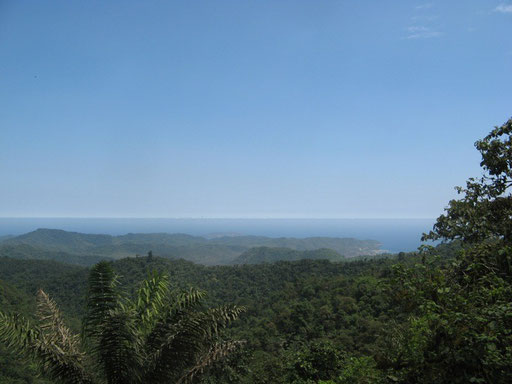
{"x":5,"y":237}
{"x":258,"y":255}
{"x":29,"y":252}
{"x":12,"y":299}
{"x":214,"y":251}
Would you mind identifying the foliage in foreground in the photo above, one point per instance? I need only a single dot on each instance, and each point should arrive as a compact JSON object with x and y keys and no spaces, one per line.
{"x":159,"y":337}
{"x":460,"y":315}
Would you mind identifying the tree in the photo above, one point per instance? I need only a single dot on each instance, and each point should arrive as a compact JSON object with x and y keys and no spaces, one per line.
{"x":319,"y":360}
{"x":159,"y":337}
{"x":482,"y":218}
{"x":459,"y":328}
{"x":485,"y":210}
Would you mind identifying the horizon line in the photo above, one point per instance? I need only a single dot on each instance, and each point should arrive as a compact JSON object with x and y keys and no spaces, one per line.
{"x":217,"y":218}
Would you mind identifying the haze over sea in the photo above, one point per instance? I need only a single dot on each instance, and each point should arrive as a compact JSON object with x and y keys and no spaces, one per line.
{"x":395,"y":235}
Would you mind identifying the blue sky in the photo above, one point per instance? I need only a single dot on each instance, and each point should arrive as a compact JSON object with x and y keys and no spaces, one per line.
{"x":343,"y":109}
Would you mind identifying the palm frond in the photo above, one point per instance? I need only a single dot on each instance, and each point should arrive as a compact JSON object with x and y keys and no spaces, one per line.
{"x":53,"y":328}
{"x":152,"y":298}
{"x":117,"y":347}
{"x":187,"y":300}
{"x":222,"y":316}
{"x":180,"y":305}
{"x":159,"y":337}
{"x":18,"y":334}
{"x":57,"y":348}
{"x":52,"y":346}
{"x":110,"y":327}
{"x":176,"y":342}
{"x":216,"y":353}
{"x":102,"y":297}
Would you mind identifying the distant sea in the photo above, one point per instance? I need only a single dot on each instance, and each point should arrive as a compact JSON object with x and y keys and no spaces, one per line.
{"x":395,"y":235}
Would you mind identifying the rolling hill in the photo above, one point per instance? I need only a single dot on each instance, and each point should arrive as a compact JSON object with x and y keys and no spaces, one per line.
{"x":85,"y":249}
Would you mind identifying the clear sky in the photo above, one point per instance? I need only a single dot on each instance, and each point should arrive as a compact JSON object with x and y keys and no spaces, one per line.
{"x":247,"y":108}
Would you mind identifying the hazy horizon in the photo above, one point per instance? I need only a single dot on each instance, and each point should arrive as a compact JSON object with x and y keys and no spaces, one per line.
{"x":218,"y":218}
{"x":395,"y":235}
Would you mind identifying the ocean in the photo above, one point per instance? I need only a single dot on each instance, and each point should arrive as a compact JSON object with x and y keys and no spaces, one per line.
{"x":395,"y":235}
